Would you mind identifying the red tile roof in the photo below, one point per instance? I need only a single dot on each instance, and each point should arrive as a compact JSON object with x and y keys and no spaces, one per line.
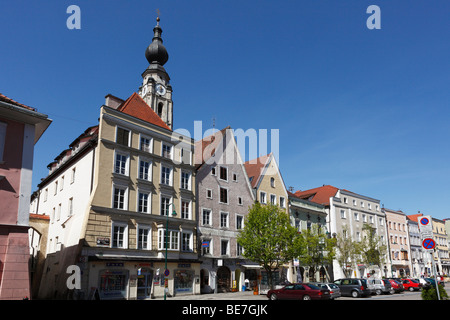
{"x":319,"y":195}
{"x":255,"y":168}
{"x":414,"y":217}
{"x":11,"y":101}
{"x":211,"y":142}
{"x":136,"y":107}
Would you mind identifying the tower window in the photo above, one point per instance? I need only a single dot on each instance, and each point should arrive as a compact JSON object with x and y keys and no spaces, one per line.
{"x":160,"y":109}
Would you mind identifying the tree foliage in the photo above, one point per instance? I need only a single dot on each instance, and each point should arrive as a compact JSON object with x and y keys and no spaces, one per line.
{"x":314,"y":248}
{"x":268,"y":237}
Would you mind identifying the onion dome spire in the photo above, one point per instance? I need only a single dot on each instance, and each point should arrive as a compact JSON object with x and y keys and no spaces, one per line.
{"x":156,"y":53}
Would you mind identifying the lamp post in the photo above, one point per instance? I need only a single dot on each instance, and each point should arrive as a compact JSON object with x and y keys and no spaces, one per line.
{"x":166,"y":237}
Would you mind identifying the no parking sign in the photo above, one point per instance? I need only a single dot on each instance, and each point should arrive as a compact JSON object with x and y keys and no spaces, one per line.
{"x":428,"y":244}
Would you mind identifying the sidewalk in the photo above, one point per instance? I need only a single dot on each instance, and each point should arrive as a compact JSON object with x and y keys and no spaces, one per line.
{"x":243,"y":295}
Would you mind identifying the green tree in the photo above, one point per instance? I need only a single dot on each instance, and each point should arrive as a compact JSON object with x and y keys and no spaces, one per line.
{"x":371,"y":247}
{"x":314,"y":248}
{"x":348,"y":251}
{"x":268,"y":237}
{"x":430,"y":293}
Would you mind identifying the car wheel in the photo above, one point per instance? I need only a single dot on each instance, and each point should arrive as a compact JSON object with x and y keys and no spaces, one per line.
{"x":306,"y":297}
{"x":273,"y":296}
{"x":378,"y":292}
{"x":411,"y":289}
{"x":355,"y":294}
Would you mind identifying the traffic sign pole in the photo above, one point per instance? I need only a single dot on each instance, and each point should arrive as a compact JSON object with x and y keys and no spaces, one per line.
{"x":435,"y":274}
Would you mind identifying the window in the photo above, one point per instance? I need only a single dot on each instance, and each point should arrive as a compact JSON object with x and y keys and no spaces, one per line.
{"x":166,"y":175}
{"x":2,"y":139}
{"x":58,"y":212}
{"x":70,"y":207}
{"x":166,"y":151}
{"x":209,"y":193}
{"x":282,"y":202}
{"x":345,"y":200}
{"x":239,"y":222}
{"x":185,"y":209}
{"x":144,"y":238}
{"x":186,"y":180}
{"x":224,"y":247}
{"x":362,"y":204}
{"x":172,"y":239}
{"x":121,"y":164}
{"x":144,"y":202}
{"x":213,"y":171}
{"x":185,"y":156}
{"x":186,"y":241}
{"x":354,"y":202}
{"x":206,"y":217}
{"x":272,"y":182}
{"x":56,"y":188}
{"x":206,"y":246}
{"x":356,"y":215}
{"x":240,"y":201}
{"x":224,"y":219}
{"x":123,"y":136}
{"x":369,"y":206}
{"x":342,"y":214}
{"x":273,"y":199}
{"x":239,"y":249}
{"x":223,"y":173}
{"x":234,"y":177}
{"x":61,"y":187}
{"x":119,"y":194}
{"x":119,"y":236}
{"x":46,"y":194}
{"x":262,"y":197}
{"x":146,"y":144}
{"x":72,"y":178}
{"x":223,"y":195}
{"x":166,"y":201}
{"x":145,"y":170}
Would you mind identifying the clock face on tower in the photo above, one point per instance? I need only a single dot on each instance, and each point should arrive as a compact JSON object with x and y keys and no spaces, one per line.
{"x":160,"y":89}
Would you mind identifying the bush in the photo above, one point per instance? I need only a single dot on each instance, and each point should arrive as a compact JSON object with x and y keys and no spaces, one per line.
{"x":429,"y":293}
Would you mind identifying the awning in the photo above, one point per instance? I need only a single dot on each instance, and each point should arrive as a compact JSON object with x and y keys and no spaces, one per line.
{"x":251,"y":266}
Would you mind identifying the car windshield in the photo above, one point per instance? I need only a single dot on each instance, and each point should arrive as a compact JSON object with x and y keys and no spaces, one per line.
{"x":414,"y":280}
{"x":333,"y":286}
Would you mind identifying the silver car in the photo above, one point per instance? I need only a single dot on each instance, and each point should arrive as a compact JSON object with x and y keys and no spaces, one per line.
{"x":335,"y":291}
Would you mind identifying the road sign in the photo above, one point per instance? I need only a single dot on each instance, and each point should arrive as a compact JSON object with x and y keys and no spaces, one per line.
{"x":425,"y":224}
{"x":428,"y":244}
{"x":166,"y":273}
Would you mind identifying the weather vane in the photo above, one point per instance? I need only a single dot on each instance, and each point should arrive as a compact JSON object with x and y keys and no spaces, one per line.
{"x":158,"y":13}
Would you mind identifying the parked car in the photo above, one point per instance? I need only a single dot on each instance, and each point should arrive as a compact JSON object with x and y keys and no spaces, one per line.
{"x":397,"y":286}
{"x":303,"y":291}
{"x":423,"y":282}
{"x":335,"y":292}
{"x":411,"y":284}
{"x":433,"y":281}
{"x":380,"y":286}
{"x":353,"y":287}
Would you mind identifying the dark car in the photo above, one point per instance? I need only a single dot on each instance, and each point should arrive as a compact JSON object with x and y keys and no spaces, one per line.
{"x":433,"y":282}
{"x":335,"y":292}
{"x":299,"y":291}
{"x":353,"y":287}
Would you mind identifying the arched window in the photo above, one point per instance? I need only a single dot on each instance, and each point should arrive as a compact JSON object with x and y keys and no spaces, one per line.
{"x":160,"y":109}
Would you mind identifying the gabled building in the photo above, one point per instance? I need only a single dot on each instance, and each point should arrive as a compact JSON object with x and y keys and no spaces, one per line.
{"x":349,"y":210}
{"x":224,"y":196}
{"x":21,"y":127}
{"x":122,"y":200}
{"x":399,"y":247}
{"x":415,"y":246}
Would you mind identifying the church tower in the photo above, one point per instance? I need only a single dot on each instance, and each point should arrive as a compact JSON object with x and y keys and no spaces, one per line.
{"x":156,"y":90}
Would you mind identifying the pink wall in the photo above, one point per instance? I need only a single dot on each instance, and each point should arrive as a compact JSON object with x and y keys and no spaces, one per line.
{"x":11,"y":168}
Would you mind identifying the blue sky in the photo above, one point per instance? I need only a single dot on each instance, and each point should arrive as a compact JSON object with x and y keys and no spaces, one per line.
{"x":365,"y":110}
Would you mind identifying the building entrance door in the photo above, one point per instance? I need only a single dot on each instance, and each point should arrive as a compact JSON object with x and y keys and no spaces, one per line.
{"x":144,"y":283}
{"x":223,"y":279}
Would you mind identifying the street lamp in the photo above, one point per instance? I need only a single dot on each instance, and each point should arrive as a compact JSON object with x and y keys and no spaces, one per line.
{"x":174,"y":213}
